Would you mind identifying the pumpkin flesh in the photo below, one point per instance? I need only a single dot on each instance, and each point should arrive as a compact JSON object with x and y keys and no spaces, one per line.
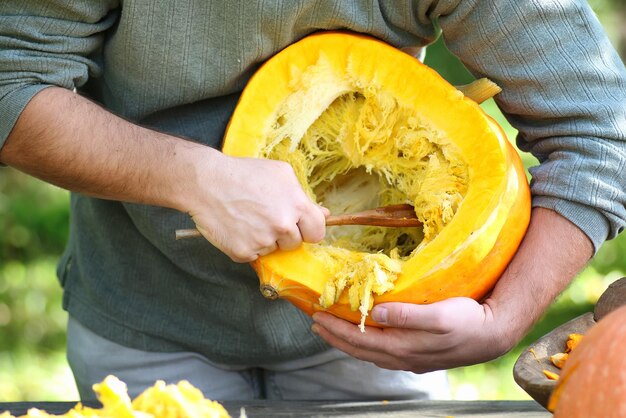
{"x":365,"y":125}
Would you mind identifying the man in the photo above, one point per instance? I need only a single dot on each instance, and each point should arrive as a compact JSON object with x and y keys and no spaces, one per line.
{"x":144,"y":307}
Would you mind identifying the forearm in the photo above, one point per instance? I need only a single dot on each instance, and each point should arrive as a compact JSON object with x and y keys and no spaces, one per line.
{"x":553,"y":251}
{"x":67,"y":140}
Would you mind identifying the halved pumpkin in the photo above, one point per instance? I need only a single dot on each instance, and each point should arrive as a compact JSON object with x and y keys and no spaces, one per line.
{"x":365,"y":125}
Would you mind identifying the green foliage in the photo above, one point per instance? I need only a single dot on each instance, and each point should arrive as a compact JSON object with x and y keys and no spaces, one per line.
{"x":33,"y":219}
{"x":34,"y":226}
{"x":446,"y":64}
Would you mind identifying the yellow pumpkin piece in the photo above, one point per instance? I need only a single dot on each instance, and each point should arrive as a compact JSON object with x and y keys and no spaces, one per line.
{"x":177,"y":401}
{"x":113,"y":394}
{"x":559,"y":359}
{"x":551,"y":375}
{"x":532,"y":351}
{"x":365,"y":125}
{"x":572,"y":341}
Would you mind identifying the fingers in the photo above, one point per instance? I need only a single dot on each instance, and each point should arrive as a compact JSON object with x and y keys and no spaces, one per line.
{"x":279,"y":234}
{"x":391,"y":348}
{"x":349,"y":339}
{"x":421,"y":338}
{"x":311,"y":227}
{"x":289,"y":239}
{"x":344,"y":333}
{"x":267,"y":250}
{"x":312,"y":224}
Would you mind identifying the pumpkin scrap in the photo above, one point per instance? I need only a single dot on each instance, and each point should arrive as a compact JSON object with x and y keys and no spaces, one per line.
{"x":572,"y":342}
{"x":559,"y":359}
{"x":550,"y":375}
{"x":365,"y":125}
{"x":159,"y":401}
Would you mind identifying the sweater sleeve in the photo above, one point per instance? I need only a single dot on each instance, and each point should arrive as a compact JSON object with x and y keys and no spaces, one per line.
{"x":47,"y":43}
{"x":564,"y":89}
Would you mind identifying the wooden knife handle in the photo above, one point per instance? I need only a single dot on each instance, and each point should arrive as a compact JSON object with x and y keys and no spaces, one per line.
{"x":397,"y":216}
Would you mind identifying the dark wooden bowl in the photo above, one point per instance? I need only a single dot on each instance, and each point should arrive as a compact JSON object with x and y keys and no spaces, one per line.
{"x":529,"y":367}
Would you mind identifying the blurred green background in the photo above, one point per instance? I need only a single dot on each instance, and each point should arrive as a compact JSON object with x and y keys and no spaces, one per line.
{"x":33,"y":229}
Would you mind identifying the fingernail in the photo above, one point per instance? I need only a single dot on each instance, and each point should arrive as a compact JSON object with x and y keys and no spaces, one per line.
{"x":379,"y":315}
{"x":315,"y":328}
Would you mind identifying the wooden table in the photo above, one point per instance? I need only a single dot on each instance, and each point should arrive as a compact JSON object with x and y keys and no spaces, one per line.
{"x":392,"y":409}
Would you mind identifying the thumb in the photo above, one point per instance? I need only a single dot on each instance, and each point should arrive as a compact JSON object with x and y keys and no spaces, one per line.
{"x":438,"y":317}
{"x":325,"y":211}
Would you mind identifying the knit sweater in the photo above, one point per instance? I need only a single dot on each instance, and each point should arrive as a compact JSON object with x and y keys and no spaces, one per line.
{"x":179,"y":66}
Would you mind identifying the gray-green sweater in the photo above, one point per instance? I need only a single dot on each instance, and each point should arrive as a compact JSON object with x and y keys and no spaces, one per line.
{"x":179,"y":66}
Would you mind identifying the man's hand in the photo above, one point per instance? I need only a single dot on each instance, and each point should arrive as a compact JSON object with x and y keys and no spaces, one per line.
{"x":460,"y":331}
{"x":419,"y":338}
{"x":253,"y":206}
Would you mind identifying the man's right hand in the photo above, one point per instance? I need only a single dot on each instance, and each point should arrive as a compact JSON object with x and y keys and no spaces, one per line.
{"x":249,"y":207}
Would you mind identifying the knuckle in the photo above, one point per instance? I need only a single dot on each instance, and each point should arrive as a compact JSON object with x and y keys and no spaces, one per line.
{"x":301,"y":203}
{"x":241,"y":255}
{"x":402,"y":316}
{"x":265,"y":242}
{"x":290,"y":244}
{"x":241,"y":260}
{"x":282,"y":228}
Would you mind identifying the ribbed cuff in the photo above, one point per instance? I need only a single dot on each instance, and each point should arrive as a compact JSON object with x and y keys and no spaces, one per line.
{"x":12,"y":105}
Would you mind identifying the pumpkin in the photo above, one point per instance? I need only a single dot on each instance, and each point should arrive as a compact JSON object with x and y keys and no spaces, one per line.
{"x":364,"y":125}
{"x":593,"y":380}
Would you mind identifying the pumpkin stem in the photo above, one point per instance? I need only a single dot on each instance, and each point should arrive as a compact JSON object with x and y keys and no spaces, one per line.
{"x":269,"y":292}
{"x":480,"y":90}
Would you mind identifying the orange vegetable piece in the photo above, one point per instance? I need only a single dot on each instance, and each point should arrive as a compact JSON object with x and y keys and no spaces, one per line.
{"x":551,"y":375}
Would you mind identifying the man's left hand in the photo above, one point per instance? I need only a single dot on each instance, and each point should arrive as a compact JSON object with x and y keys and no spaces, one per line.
{"x":419,"y":338}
